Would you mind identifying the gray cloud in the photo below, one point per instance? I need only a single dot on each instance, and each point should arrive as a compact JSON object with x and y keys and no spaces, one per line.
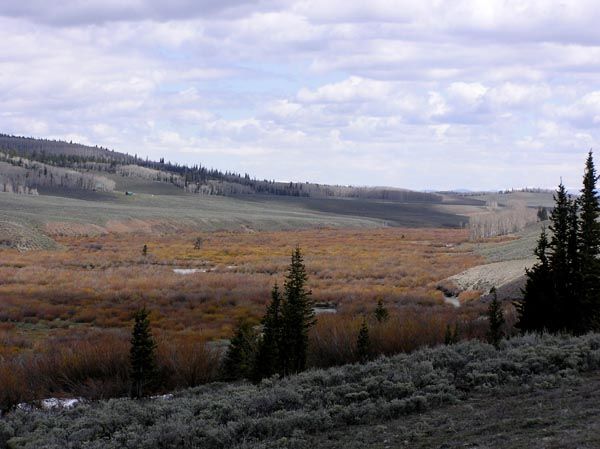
{"x":84,"y":12}
{"x":413,"y":94}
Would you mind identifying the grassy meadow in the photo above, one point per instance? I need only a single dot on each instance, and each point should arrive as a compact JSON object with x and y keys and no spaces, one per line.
{"x":66,"y":314}
{"x":70,"y":287}
{"x":99,"y":281}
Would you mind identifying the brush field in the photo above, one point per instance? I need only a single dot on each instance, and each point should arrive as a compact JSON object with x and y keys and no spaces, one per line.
{"x":97,"y":282}
{"x":441,"y":397}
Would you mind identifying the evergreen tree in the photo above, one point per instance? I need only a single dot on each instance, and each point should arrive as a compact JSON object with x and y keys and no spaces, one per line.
{"x":363,"y":343}
{"x":142,"y":355}
{"x":538,"y":295}
{"x":267,"y":360}
{"x":451,"y":337}
{"x":589,"y":248}
{"x":145,"y":250}
{"x":381,"y":313}
{"x":239,"y":359}
{"x":570,"y":308}
{"x":558,"y":258}
{"x":297,"y":316}
{"x":448,"y":340}
{"x":496,"y":320}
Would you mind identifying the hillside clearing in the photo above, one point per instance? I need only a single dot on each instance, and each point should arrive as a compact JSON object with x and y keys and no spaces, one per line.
{"x":498,"y":274}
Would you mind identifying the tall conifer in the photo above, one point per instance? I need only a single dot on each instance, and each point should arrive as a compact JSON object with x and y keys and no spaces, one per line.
{"x":571,"y":304}
{"x":268,"y":360}
{"x":589,"y":247}
{"x":559,"y":260}
{"x":142,"y":355}
{"x":495,"y":320}
{"x":538,"y":295}
{"x":297,"y":316}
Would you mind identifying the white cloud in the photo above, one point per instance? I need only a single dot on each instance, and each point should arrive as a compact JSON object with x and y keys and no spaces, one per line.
{"x":427,"y":92}
{"x":350,"y":90}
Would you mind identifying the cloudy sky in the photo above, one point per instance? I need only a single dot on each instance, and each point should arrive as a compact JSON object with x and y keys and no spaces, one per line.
{"x":417,"y":94}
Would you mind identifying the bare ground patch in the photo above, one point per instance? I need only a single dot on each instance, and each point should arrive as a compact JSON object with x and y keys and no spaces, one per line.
{"x":498,"y":274}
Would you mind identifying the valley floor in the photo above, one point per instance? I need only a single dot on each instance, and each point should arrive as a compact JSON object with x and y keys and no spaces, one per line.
{"x":520,"y":418}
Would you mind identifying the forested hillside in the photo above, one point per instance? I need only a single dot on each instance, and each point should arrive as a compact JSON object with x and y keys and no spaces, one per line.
{"x":36,"y":156}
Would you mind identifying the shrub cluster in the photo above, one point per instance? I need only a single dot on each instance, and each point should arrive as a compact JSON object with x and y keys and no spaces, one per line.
{"x":245,"y":416}
{"x":99,"y":368}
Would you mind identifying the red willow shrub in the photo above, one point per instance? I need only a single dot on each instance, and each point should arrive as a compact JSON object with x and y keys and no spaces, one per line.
{"x":333,"y":339}
{"x":98,"y":367}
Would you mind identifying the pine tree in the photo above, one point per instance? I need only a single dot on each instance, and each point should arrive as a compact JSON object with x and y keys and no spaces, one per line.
{"x":239,"y":359}
{"x":363,"y":343}
{"x":496,"y":320}
{"x":297,"y":316}
{"x":451,"y":337}
{"x":267,"y":362}
{"x":538,"y":295}
{"x":589,"y":248}
{"x":558,"y":258}
{"x":570,"y":307}
{"x":381,"y":313}
{"x":145,"y":250}
{"x":142,"y":355}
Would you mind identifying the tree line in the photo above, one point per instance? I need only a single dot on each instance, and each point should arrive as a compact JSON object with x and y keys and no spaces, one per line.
{"x":562,"y":290}
{"x":191,"y":178}
{"x":505,"y":221}
{"x":21,"y":175}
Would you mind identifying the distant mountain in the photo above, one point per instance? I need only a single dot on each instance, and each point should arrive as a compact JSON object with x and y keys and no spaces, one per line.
{"x":29,"y":164}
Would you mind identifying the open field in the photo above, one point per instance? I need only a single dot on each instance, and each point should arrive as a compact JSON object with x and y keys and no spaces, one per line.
{"x":531,"y":199}
{"x":99,"y":281}
{"x":80,"y":212}
{"x":65,"y":315}
{"x":391,"y":213}
{"x":100,"y":213}
{"x":66,"y":308}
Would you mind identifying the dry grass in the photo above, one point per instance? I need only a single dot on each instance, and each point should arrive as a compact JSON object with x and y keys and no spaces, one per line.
{"x":65,"y":315}
{"x":100,"y":281}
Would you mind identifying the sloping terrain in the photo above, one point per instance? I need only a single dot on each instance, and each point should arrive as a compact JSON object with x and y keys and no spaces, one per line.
{"x":147,"y":213}
{"x":390,"y":213}
{"x":507,"y":277}
{"x":161,"y":207}
{"x":507,"y":260}
{"x":308,"y":409}
{"x":23,"y":236}
{"x":562,"y":417}
{"x":519,"y":246}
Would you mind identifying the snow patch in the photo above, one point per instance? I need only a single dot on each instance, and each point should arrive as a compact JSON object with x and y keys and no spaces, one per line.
{"x":452,"y":300}
{"x":185,"y":271}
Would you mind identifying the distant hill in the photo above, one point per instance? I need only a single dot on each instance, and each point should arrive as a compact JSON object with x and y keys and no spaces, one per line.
{"x":31,"y":165}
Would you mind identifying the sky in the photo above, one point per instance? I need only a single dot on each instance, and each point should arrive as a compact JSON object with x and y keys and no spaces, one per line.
{"x":422,"y":94}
